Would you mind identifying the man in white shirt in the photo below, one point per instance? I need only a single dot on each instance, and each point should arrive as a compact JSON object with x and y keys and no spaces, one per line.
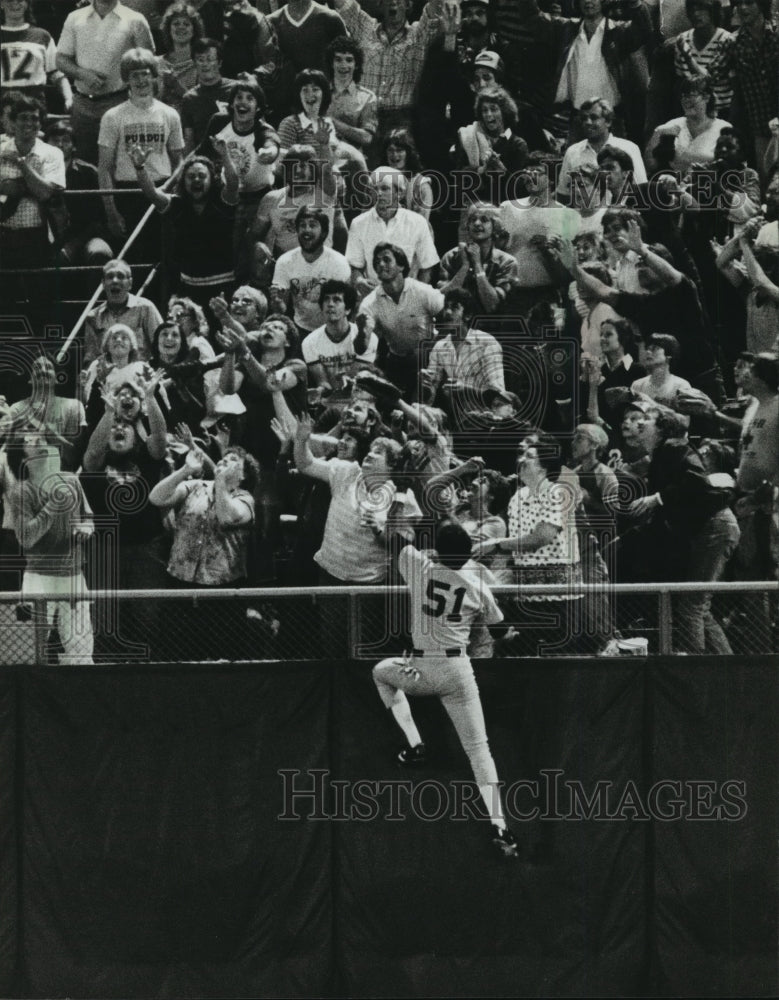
{"x":300,"y":274}
{"x":402,"y":310}
{"x":338,"y":349}
{"x":387,"y":222}
{"x":466,"y":363}
{"x":596,"y":117}
{"x":142,"y":121}
{"x":93,"y":40}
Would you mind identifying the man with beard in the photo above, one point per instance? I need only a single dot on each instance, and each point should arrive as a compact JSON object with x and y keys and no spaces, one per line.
{"x":120,"y":306}
{"x":300,"y":274}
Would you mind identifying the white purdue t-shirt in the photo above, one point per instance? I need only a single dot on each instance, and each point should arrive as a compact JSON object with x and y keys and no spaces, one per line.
{"x":156,"y":129}
{"x":444,"y":602}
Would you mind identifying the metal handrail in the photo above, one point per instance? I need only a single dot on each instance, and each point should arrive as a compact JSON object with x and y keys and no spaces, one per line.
{"x":252,"y":593}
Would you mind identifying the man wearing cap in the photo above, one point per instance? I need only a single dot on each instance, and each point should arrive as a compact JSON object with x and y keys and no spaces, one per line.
{"x":455,"y":68}
{"x":83,"y":239}
{"x":93,"y":40}
{"x":596,"y":117}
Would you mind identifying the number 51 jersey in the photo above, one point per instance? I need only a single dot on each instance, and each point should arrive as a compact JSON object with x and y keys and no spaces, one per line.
{"x":445,"y":602}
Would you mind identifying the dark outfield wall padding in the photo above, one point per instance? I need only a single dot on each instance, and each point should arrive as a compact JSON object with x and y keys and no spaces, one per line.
{"x":424,"y":908}
{"x":154,"y":864}
{"x":8,"y":834}
{"x":716,"y":907}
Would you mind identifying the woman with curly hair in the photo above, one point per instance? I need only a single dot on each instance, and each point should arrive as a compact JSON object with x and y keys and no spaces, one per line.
{"x":353,"y":108}
{"x":181,"y":27}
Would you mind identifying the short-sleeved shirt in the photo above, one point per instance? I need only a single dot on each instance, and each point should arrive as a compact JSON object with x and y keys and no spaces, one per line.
{"x":478,"y":365}
{"x":558,"y":562}
{"x":98,"y":43}
{"x":581,"y":153}
{"x":405,"y":229}
{"x":205,"y":552}
{"x":350,"y":551}
{"x":523,"y":221}
{"x":243,"y":147}
{"x":339,"y":359}
{"x":28,"y":56}
{"x":407,"y":323}
{"x":63,"y":417}
{"x":140,"y":314}
{"x":46,"y":160}
{"x":304,"y":280}
{"x":500,"y":269}
{"x":281,"y":207}
{"x":445,"y":602}
{"x":157,"y":129}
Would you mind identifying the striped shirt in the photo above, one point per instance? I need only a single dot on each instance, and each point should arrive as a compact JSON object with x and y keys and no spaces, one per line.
{"x":392,"y":68}
{"x":350,"y":551}
{"x":716,"y":58}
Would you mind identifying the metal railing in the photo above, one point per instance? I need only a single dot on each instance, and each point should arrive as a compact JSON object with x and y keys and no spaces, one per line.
{"x":302,"y":623}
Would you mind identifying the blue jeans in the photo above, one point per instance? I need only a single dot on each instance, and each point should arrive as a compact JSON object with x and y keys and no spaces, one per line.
{"x":696,"y":628}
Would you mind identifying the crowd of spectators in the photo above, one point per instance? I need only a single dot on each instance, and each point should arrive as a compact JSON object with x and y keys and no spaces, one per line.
{"x":511,"y":263}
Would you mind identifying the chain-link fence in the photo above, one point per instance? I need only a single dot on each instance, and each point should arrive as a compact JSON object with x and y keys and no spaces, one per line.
{"x":369,"y":623}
